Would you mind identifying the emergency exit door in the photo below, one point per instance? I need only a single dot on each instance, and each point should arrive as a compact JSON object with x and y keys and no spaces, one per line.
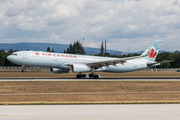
{"x":24,"y":55}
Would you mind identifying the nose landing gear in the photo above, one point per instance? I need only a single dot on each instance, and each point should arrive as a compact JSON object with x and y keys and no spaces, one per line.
{"x":23,"y":68}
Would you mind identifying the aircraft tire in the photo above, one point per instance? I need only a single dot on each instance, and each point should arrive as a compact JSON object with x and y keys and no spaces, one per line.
{"x":78,"y":76}
{"x":83,"y":76}
{"x":91,"y":75}
{"x":96,"y":76}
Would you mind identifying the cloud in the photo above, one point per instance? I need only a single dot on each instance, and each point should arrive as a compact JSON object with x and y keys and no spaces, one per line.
{"x":15,"y":7}
{"x":133,"y":27}
{"x":32,"y":26}
{"x":124,"y":24}
{"x":175,"y":3}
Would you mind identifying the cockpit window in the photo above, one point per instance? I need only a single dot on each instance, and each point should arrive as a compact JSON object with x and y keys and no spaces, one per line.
{"x":14,"y":54}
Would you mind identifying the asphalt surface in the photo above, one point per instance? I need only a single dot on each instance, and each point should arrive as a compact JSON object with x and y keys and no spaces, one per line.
{"x":91,"y":112}
{"x":88,"y":79}
{"x":89,"y":93}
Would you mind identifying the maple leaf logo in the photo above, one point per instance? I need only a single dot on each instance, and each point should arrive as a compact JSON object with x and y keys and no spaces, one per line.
{"x":36,"y":53}
{"x":153,"y":54}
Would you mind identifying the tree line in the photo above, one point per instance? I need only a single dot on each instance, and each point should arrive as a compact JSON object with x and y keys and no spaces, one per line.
{"x":3,"y":58}
{"x":77,"y":48}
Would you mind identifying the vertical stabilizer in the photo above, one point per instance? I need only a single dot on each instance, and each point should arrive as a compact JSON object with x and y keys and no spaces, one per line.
{"x":154,"y":49}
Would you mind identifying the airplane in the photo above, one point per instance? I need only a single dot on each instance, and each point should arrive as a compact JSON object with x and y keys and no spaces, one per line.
{"x":63,"y":63}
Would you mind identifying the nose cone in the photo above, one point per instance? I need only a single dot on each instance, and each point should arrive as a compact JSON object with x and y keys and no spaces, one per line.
{"x":9,"y":57}
{"x":13,"y":58}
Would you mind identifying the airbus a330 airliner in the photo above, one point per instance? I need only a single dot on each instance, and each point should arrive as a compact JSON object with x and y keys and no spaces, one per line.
{"x":63,"y":63}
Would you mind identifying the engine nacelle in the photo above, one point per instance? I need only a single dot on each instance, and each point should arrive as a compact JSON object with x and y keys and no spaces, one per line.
{"x":58,"y":71}
{"x":80,"y":68}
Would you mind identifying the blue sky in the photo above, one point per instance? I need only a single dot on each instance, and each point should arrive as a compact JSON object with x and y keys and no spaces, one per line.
{"x":125,"y":24}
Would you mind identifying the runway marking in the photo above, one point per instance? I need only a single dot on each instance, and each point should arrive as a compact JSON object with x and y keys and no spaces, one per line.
{"x":76,"y":93}
{"x":14,"y":115}
{"x":131,"y":118}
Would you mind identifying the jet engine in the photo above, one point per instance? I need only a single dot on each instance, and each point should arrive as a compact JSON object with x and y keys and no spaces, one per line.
{"x":58,"y":71}
{"x":80,"y":68}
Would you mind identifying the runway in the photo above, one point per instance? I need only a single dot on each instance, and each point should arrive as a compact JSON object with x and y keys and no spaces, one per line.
{"x":100,"y":79}
{"x":91,"y":112}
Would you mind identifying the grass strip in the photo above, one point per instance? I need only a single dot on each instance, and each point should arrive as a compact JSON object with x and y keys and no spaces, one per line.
{"x":89,"y":103}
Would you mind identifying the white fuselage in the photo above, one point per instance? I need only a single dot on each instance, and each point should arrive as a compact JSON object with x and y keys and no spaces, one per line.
{"x":59,"y":60}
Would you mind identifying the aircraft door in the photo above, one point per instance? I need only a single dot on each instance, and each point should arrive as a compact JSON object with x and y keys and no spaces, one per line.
{"x":24,"y":55}
{"x":135,"y":63}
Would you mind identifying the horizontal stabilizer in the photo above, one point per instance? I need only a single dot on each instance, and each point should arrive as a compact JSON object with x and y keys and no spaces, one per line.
{"x":149,"y":64}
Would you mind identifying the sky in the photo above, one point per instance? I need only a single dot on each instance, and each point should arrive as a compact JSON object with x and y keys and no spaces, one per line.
{"x":125,"y":24}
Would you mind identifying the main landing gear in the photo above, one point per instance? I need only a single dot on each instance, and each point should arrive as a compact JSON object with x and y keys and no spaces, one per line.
{"x":93,"y":76}
{"x":81,"y":76}
{"x":84,"y":76}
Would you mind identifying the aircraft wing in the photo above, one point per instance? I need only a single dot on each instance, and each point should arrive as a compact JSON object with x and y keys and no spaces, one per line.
{"x":101,"y":63}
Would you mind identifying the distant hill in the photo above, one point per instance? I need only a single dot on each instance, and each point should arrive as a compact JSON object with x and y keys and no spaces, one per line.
{"x":43,"y":47}
{"x":160,"y":51}
{"x":58,"y":48}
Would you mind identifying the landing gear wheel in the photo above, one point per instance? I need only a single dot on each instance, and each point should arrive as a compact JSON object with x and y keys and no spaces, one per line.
{"x":96,"y":76}
{"x":81,"y":76}
{"x":23,"y":70}
{"x":78,"y":76}
{"x":91,"y":75}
